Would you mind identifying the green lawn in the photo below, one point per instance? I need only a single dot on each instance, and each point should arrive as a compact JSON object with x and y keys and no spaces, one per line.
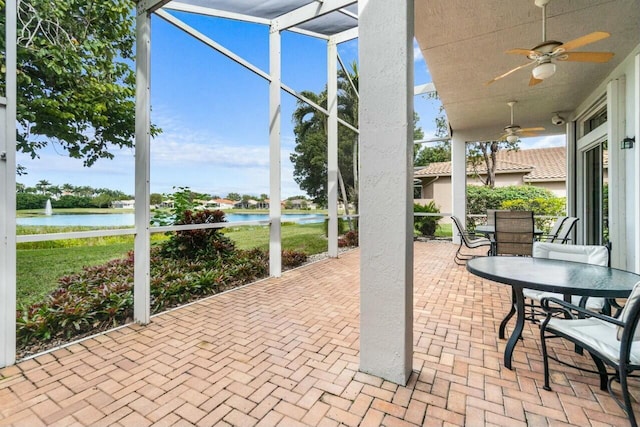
{"x":41,"y":264}
{"x":38,"y":270}
{"x":39,"y":212}
{"x":444,"y":230}
{"x":307,"y":238}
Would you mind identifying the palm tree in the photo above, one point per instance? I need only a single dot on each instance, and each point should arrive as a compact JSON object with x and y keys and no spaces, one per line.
{"x":311,"y":130}
{"x":42,"y":185}
{"x":54,"y":190}
{"x":67,"y":188}
{"x":84,"y":191}
{"x":348,"y":104}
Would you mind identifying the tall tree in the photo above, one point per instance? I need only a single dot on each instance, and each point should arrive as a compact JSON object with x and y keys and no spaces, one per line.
{"x":76,"y":84}
{"x":42,"y":185}
{"x":310,"y":157}
{"x":441,"y":151}
{"x":482,"y":156}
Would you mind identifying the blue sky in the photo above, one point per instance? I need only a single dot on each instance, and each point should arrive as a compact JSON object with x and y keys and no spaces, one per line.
{"x":214,"y":113}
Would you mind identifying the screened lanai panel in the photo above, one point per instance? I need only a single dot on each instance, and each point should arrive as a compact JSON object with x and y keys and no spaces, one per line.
{"x":328,"y":24}
{"x":332,"y":23}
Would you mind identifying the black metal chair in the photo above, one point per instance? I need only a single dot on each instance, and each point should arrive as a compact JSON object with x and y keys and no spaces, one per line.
{"x":608,"y":340}
{"x":514,"y":233}
{"x":470,"y":240}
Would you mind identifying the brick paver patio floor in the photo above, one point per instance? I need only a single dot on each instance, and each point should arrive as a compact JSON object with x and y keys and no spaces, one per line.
{"x":285,"y":352}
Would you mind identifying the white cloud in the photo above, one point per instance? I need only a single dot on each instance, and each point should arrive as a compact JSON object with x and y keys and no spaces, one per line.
{"x":417,"y":53}
{"x":543,"y":141}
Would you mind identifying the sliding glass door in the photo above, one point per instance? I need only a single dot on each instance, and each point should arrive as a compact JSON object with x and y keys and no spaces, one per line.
{"x":596,"y":203}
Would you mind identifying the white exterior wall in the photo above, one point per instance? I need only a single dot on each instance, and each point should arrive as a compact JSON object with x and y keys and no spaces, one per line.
{"x":633,"y":88}
{"x":627,"y":222}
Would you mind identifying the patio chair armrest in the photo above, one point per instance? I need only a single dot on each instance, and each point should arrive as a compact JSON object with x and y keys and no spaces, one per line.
{"x":614,"y":303}
{"x":474,"y":235}
{"x":540,"y":237}
{"x":567,"y":307}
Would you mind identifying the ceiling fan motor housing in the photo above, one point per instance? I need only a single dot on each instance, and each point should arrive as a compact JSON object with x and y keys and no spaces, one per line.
{"x":544,"y":50}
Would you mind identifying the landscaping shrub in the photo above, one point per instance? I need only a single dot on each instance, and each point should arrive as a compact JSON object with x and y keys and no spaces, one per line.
{"x":515,"y":197}
{"x":70,"y":202}
{"x":193,"y":244}
{"x":342,"y":226}
{"x":426,"y":225}
{"x":187,"y":266}
{"x":102,"y":296}
{"x":350,"y":239}
{"x":31,"y":201}
{"x":291,"y":259}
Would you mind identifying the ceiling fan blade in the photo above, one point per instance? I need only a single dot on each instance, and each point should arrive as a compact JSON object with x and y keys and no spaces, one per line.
{"x":531,"y":129}
{"x":510,"y":71}
{"x":533,"y":81}
{"x":584,"y":40}
{"x":527,"y":134}
{"x":519,"y":51}
{"x":586,"y":56}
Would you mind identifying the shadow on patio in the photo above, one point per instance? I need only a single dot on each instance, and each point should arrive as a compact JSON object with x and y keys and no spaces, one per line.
{"x":285,"y":351}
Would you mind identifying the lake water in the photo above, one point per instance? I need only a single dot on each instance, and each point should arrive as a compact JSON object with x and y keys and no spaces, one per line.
{"x":127,"y":219}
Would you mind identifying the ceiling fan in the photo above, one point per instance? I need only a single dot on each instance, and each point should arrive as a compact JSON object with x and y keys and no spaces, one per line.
{"x":543,"y":54}
{"x":513,"y":132}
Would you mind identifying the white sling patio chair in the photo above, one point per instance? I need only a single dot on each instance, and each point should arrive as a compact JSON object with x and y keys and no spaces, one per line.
{"x":564,"y":233}
{"x":552,"y":236}
{"x":609,"y":341}
{"x":469,"y":240}
{"x":588,"y":254}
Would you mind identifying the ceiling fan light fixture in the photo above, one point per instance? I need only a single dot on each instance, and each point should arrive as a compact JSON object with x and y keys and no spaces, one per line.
{"x":512,"y":138}
{"x":544,"y":70}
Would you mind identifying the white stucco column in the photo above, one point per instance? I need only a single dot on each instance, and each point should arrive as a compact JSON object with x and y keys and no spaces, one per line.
{"x":386,"y":188}
{"x":458,"y":181}
{"x":8,"y":195}
{"x":275,"y":210}
{"x":142,"y":243}
{"x":332,"y":147}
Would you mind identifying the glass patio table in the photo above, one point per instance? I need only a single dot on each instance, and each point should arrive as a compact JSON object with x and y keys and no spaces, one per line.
{"x":563,"y":277}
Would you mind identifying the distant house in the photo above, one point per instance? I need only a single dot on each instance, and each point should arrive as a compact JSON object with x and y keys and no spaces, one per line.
{"x":220,"y":203}
{"x":542,"y":167}
{"x":123,"y":204}
{"x":298,"y":204}
{"x":252,"y":204}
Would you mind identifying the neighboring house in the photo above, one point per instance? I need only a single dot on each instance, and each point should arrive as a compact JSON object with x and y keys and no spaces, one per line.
{"x":123,"y":204}
{"x":252,"y":204}
{"x":542,"y":167}
{"x":220,"y":203}
{"x":298,"y":204}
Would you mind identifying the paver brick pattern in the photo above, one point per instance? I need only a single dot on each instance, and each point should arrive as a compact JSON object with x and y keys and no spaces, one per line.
{"x":285,"y":352}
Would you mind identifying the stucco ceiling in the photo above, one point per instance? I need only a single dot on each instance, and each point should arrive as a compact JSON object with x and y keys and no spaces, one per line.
{"x":463,"y":43}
